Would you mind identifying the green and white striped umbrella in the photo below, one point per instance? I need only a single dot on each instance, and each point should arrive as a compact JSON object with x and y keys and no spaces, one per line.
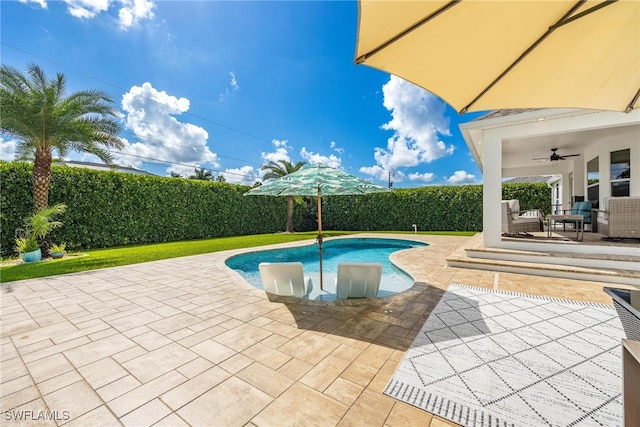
{"x":317,"y":180}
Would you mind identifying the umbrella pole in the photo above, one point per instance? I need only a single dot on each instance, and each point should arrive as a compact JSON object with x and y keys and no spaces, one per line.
{"x":319,"y":239}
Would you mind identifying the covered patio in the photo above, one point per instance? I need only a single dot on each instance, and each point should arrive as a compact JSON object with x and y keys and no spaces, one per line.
{"x":516,"y":143}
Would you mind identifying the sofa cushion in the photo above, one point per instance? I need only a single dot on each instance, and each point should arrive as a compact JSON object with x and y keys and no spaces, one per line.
{"x":585,"y":211}
{"x":531,"y":219}
{"x":514,"y":205}
{"x":603,"y":217}
{"x":575,"y":209}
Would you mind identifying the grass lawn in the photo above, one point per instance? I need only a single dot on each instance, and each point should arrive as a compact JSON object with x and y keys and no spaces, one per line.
{"x":113,"y":257}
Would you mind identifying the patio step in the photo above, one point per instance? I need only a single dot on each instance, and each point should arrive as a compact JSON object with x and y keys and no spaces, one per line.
{"x":589,"y":260}
{"x":592,"y":267}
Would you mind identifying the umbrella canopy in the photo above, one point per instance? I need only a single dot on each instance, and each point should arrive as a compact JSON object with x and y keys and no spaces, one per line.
{"x":317,"y":180}
{"x":484,"y":55}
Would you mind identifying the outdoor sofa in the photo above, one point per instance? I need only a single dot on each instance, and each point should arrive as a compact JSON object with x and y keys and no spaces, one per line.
{"x":620,"y":217}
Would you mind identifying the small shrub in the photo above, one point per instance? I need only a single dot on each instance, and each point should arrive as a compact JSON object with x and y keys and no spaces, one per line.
{"x":58,"y":247}
{"x":26,"y":244}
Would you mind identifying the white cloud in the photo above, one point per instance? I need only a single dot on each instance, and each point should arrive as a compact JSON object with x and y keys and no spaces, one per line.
{"x":417,"y":120}
{"x":244,"y":175}
{"x":399,"y":153}
{"x":86,"y":9}
{"x":7,"y":149}
{"x":335,"y":148}
{"x":316,"y":158}
{"x":120,"y":158}
{"x":150,"y":116}
{"x":382,"y":174}
{"x":133,"y":11}
{"x":424,"y":177}
{"x":42,"y":3}
{"x":130,"y":12}
{"x":182,"y":170}
{"x":374,"y":171}
{"x":281,"y":152}
{"x":462,"y":177}
{"x":233,"y":87}
{"x":234,"y":83}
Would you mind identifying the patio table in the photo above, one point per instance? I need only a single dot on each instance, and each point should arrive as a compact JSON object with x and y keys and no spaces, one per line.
{"x":558,"y":217}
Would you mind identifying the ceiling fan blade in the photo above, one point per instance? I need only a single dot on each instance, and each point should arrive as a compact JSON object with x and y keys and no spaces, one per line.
{"x":540,"y":158}
{"x":570,"y":155}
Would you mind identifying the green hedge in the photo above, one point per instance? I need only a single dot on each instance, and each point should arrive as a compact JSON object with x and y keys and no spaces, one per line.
{"x":435,"y":208}
{"x":107,"y":209}
{"x":531,"y":196}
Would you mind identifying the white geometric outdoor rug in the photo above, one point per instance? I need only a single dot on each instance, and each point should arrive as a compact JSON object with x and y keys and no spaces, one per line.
{"x":496,"y":358}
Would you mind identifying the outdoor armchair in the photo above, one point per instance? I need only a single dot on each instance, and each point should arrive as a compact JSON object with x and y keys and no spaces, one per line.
{"x":284,"y":278}
{"x":620,"y":217}
{"x":516,"y":222}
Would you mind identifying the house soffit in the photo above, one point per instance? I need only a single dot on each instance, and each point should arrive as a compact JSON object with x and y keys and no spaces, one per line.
{"x":533,"y":133}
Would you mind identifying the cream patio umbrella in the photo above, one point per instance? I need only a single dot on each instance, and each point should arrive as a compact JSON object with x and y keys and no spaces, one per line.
{"x":484,"y":54}
{"x":317,"y":181}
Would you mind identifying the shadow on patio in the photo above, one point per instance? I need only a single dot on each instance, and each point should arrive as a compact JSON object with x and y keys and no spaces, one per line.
{"x":392,"y":321}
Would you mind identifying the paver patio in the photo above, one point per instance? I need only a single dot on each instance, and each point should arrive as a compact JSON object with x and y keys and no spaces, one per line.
{"x":187,"y":341}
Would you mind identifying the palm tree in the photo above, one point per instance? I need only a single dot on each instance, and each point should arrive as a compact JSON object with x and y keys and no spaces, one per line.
{"x":278,"y":170}
{"x":202,"y":175}
{"x":35,"y":111}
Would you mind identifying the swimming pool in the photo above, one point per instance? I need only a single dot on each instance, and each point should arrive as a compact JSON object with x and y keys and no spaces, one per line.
{"x":363,"y":249}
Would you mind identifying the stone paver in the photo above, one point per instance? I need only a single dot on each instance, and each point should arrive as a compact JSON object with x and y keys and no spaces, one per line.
{"x":231,"y":403}
{"x":77,"y":398}
{"x":188,"y":342}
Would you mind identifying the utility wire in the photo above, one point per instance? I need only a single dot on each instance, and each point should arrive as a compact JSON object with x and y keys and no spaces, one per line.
{"x":124,"y":90}
{"x":154,"y":160}
{"x":189,"y":147}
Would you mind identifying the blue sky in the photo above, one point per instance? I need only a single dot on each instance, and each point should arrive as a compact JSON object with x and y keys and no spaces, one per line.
{"x":229,"y":85}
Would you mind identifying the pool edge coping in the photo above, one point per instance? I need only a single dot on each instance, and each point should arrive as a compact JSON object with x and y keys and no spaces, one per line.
{"x":415,"y":288}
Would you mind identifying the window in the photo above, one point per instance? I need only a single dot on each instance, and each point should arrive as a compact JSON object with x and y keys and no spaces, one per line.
{"x":620,"y":172}
{"x":593,"y":179}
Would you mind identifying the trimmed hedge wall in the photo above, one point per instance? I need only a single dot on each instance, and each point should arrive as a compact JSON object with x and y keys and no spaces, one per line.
{"x":107,"y":209}
{"x":434,"y":208}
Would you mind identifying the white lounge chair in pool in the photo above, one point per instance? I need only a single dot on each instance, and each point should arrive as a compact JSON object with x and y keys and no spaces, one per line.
{"x":284,"y":278}
{"x":358,"y":280}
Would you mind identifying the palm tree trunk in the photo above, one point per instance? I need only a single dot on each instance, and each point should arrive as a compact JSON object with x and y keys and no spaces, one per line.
{"x":289,"y":214}
{"x":41,"y":178}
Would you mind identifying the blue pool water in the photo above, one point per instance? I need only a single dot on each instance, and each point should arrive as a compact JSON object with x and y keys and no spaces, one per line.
{"x":335,"y":251}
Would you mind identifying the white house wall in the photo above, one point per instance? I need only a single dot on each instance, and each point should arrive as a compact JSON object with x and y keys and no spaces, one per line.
{"x":602,"y":150}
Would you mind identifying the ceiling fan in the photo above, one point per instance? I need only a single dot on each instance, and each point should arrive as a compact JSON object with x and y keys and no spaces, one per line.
{"x":555,"y":156}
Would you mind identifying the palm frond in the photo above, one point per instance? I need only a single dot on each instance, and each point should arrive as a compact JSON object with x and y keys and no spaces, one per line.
{"x":37,"y":113}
